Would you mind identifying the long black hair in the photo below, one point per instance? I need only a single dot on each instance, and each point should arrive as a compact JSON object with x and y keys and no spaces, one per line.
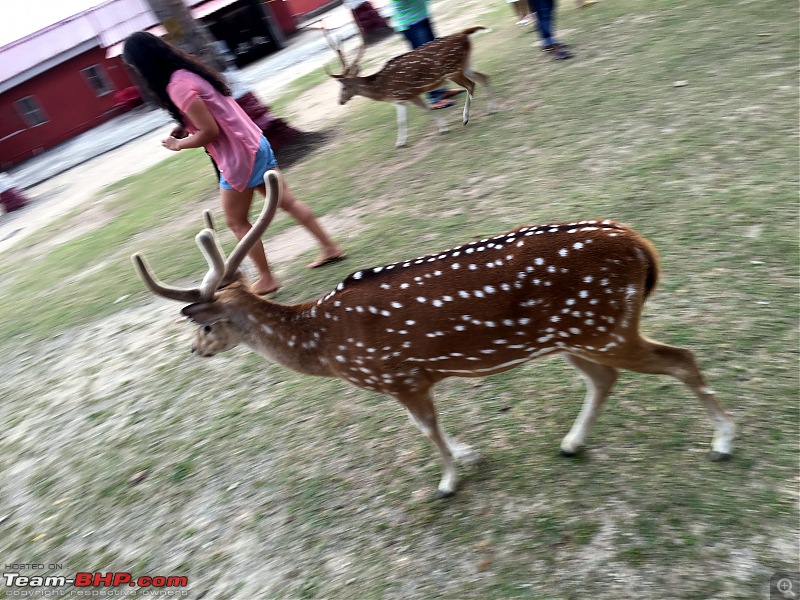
{"x":155,"y":60}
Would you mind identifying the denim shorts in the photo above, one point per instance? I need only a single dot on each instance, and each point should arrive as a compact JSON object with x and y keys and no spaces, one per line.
{"x":265,"y":160}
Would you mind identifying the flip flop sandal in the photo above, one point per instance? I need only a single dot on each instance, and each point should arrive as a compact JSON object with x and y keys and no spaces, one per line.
{"x":452,"y":93}
{"x":326,"y":261}
{"x":441,"y":104}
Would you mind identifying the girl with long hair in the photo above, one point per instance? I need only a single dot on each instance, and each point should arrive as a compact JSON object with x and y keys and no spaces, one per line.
{"x":200,"y":101}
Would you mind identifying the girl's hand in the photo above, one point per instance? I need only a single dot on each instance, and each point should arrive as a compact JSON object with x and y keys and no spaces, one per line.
{"x":171,"y":143}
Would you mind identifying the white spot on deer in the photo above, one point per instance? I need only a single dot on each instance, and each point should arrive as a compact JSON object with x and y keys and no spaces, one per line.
{"x":447,"y":298}
{"x":459,"y":328}
{"x":473,"y":267}
{"x":583,"y":294}
{"x":404,"y":286}
{"x":539,"y":261}
{"x":410,"y":322}
{"x":437,"y":303}
{"x":469,"y":250}
{"x":266,"y":329}
{"x":463,"y":294}
{"x":577,"y":245}
{"x":358,"y":275}
{"x":385,"y":286}
{"x":555,"y":319}
{"x":455,"y":266}
{"x":478,"y":294}
{"x":563,"y":252}
{"x":574,"y":330}
{"x":396,"y":305}
{"x":340,"y":287}
{"x":570,"y":301}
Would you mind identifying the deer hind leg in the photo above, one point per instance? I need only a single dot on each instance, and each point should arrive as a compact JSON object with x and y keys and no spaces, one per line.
{"x":440,"y":122}
{"x":465,"y":82}
{"x":651,"y":357}
{"x":599,"y":381}
{"x":422,"y":413}
{"x":484,"y":81}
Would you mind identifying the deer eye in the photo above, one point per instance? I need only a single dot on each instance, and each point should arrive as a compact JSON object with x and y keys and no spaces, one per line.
{"x":206,"y":328}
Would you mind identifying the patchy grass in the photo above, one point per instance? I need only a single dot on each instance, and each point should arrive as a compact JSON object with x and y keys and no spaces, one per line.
{"x":122,"y":452}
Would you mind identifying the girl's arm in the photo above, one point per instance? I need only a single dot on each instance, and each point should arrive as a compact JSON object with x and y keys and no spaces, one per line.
{"x":207,"y":129}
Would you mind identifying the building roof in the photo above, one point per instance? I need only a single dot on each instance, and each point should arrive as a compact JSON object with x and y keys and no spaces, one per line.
{"x":102,"y":26}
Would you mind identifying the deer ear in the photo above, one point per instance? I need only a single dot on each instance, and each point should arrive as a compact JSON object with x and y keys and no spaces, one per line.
{"x":203,"y":313}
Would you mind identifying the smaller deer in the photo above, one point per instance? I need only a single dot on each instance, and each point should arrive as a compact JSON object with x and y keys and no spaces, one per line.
{"x":485,"y":307}
{"x":406,"y":77}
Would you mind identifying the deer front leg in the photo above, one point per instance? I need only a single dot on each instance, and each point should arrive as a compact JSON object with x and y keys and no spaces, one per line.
{"x":599,"y":380}
{"x":401,"y":125}
{"x":423,"y":414}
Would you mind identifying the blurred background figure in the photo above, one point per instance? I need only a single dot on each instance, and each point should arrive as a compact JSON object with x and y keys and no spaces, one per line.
{"x":545,"y":11}
{"x":521,"y":11}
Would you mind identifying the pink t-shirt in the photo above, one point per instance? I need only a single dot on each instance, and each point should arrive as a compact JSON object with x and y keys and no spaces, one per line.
{"x":235,"y":148}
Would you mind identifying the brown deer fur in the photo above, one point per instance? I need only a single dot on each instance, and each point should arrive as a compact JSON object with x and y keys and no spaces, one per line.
{"x":480,"y":308}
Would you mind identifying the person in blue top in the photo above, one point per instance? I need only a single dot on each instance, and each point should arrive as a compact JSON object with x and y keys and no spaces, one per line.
{"x":412,"y":19}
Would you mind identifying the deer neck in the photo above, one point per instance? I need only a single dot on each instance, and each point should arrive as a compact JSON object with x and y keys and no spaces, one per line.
{"x":366,"y":86}
{"x":283,"y":333}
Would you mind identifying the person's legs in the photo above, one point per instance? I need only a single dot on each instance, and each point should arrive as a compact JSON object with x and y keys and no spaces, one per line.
{"x":301,"y":213}
{"x":236,"y":206}
{"x":544,"y":19}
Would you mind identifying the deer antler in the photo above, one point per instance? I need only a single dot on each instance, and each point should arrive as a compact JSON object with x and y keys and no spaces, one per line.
{"x":336,"y":48}
{"x":220,"y":271}
{"x":274,"y":182}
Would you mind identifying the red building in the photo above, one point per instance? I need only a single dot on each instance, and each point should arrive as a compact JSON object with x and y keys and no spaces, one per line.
{"x":68,"y":78}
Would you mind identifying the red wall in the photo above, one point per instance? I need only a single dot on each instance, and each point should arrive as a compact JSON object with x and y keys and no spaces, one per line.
{"x":302,"y":7}
{"x":68,"y":101}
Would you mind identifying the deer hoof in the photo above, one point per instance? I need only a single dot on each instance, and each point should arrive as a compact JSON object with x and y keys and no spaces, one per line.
{"x":568,"y":453}
{"x":444,"y":494}
{"x":715,"y":456}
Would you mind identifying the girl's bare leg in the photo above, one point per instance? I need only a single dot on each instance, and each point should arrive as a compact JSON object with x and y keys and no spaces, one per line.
{"x":236,"y":206}
{"x":301,"y":213}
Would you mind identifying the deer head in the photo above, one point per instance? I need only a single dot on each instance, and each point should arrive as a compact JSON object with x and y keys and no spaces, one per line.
{"x":214,"y":334}
{"x":349,"y":72}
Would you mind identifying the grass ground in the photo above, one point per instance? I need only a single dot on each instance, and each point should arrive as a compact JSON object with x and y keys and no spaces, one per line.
{"x":122,"y":452}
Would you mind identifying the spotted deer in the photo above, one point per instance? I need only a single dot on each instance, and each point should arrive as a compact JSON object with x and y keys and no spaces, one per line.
{"x":406,"y":77}
{"x":485,"y":307}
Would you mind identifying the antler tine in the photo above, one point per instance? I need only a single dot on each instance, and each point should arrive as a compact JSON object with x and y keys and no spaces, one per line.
{"x":209,"y":246}
{"x":274,"y":182}
{"x":209,"y":221}
{"x":189,"y":295}
{"x":336,"y":48}
{"x":353,"y":68}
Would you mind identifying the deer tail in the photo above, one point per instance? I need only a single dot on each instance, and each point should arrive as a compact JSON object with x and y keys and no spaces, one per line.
{"x":471,"y":30}
{"x":653,"y":268}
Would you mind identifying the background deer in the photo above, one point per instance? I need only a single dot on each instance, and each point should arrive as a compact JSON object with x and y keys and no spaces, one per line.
{"x":481,"y":308}
{"x":406,"y":77}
